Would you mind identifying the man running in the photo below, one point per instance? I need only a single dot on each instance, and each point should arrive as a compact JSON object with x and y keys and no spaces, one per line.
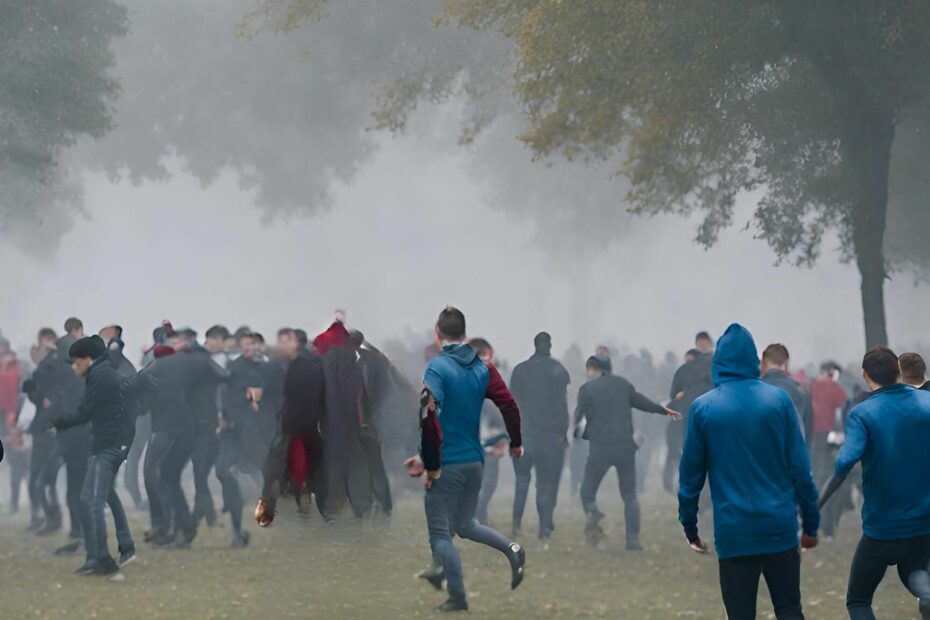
{"x":889,"y":432}
{"x":744,"y":435}
{"x":457,"y":383}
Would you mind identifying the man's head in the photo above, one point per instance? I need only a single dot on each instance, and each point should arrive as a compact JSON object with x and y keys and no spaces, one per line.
{"x":84,"y":351}
{"x":248,"y":346}
{"x":704,"y":343}
{"x":880,"y":367}
{"x":450,"y":327}
{"x":913,"y":369}
{"x":47,"y":338}
{"x":356,"y":339}
{"x":543,"y":343}
{"x":775,"y":357}
{"x":483,"y":348}
{"x":110,"y":332}
{"x":215,"y":339}
{"x":594,"y":367}
{"x":74,"y":328}
{"x":691,"y":355}
{"x":288,"y":343}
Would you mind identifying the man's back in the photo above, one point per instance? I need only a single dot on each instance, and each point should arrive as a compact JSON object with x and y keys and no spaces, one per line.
{"x":458,"y":381}
{"x":539,"y":384}
{"x":826,"y":397}
{"x":801,"y":400}
{"x":607,"y":404}
{"x":745,"y":437}
{"x":890,"y":432}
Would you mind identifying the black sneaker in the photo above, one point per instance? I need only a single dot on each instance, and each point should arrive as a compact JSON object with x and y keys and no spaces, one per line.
{"x":35,"y":524}
{"x":70,"y":549}
{"x":241,"y":540}
{"x":104,"y":568}
{"x":127,"y":557}
{"x":434,"y":576}
{"x":86,"y":568}
{"x":517,"y":556}
{"x":162,"y":541}
{"x":633,"y":545}
{"x":454,"y":604}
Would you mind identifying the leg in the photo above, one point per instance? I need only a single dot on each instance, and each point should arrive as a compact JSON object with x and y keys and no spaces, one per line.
{"x":155,"y":454}
{"x":37,"y":498}
{"x":75,"y":472}
{"x":232,"y":496}
{"x":578,"y":457}
{"x":381,"y":486}
{"x":131,"y":475}
{"x":441,"y":503}
{"x":101,"y":475}
{"x":912,"y":570}
{"x":868,"y":568}
{"x":89,"y":509}
{"x":19,"y":470}
{"x":126,"y":544}
{"x":175,"y":461}
{"x":488,"y":487}
{"x":549,"y":467}
{"x":464,"y":522}
{"x":202,"y":459}
{"x":594,"y":471}
{"x":673,"y":439}
{"x":626,"y":473}
{"x":523,"y":472}
{"x":782,"y":572}
{"x":739,"y":586}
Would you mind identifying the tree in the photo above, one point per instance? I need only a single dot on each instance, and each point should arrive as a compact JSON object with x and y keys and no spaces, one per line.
{"x":795,"y":99}
{"x":54,"y":89}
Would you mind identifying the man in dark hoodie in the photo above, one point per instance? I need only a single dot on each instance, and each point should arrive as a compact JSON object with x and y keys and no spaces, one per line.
{"x":539,"y":385}
{"x":889,"y":433}
{"x":691,"y":380}
{"x":775,"y":372}
{"x":607,"y":403}
{"x":457,"y":384}
{"x":744,"y":435}
{"x":102,"y":405}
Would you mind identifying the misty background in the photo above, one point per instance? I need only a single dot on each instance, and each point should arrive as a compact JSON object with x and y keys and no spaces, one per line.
{"x":244,"y":183}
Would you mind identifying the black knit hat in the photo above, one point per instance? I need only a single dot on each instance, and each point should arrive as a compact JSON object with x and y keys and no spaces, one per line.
{"x":90,"y":346}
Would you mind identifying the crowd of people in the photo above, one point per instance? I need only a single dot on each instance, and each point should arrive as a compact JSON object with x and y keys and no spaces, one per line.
{"x":318,"y":419}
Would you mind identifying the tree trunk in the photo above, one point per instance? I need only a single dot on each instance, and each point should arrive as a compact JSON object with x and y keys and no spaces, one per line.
{"x":867,"y":133}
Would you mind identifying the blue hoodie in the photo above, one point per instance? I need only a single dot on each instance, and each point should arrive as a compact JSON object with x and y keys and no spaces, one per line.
{"x":744,"y":435}
{"x":459,"y":380}
{"x":890,"y":433}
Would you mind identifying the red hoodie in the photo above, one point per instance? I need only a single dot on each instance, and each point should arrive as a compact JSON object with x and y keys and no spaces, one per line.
{"x":336,"y":336}
{"x":10,"y":374}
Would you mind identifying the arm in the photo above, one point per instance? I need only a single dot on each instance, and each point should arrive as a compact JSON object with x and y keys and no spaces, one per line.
{"x":430,"y":432}
{"x":854,"y":447}
{"x":799,"y":468}
{"x":502,"y":398}
{"x":645,"y":404}
{"x":86,"y":407}
{"x":676,"y":385}
{"x":692,"y":472}
{"x":581,"y":411}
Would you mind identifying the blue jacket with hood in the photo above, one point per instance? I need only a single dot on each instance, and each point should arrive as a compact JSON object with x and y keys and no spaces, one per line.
{"x":744,"y":435}
{"x":459,"y":380}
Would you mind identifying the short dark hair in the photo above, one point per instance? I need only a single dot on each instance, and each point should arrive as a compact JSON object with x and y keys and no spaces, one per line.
{"x":244,"y":335}
{"x":451,"y":323}
{"x":258,"y":337}
{"x":73,"y":324}
{"x":117,"y":328}
{"x":47,"y":332}
{"x":286,"y":331}
{"x":217,"y":331}
{"x":302,"y":337}
{"x":703,"y":336}
{"x":243,"y":329}
{"x":881,"y":365}
{"x":480,"y":345}
{"x":913,"y":367}
{"x":777,"y":354}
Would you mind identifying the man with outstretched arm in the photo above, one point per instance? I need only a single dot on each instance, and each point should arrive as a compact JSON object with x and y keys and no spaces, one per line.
{"x":456,"y":384}
{"x":889,"y":433}
{"x":744,"y":435}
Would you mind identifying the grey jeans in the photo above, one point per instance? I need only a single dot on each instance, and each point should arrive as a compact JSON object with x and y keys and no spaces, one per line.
{"x":450,"y":505}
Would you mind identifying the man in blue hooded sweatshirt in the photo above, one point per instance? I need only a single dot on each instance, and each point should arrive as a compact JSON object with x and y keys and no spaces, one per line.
{"x":744,"y":435}
{"x":889,"y":432}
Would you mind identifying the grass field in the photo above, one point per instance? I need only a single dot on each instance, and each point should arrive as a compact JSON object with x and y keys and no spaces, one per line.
{"x":301,"y":569}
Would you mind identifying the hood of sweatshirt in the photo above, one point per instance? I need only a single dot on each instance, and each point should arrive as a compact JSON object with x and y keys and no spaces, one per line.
{"x":736,"y":357}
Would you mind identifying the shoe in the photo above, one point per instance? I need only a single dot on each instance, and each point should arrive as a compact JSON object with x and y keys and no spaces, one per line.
{"x":434,"y":576}
{"x":35,"y":524}
{"x":127,"y":557}
{"x":594,"y":519}
{"x":454,"y":604}
{"x":517,"y":556}
{"x":162,"y":541}
{"x":264,"y":513}
{"x":104,"y":568}
{"x":241,"y":540}
{"x":923,"y":605}
{"x":633,"y":545}
{"x":86,"y":567}
{"x":70,"y":549}
{"x":51,"y":526}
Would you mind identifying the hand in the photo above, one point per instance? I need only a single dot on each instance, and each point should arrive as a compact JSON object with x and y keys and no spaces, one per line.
{"x":674,"y":415}
{"x":680,"y":395}
{"x":808,"y":542}
{"x":46,"y":403}
{"x":516,"y":453}
{"x":698,"y":546}
{"x":414,"y":466}
{"x":221,"y":426}
{"x":430,"y":477}
{"x":499,"y":449}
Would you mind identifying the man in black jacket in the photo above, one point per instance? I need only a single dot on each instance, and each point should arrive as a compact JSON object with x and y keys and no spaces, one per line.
{"x":607,"y":402}
{"x":112,"y":427}
{"x":539,"y":385}
{"x":691,"y":380}
{"x":775,"y":372}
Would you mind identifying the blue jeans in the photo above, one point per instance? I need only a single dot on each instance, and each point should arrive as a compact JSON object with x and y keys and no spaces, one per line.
{"x":99,"y":489}
{"x":450,"y":506}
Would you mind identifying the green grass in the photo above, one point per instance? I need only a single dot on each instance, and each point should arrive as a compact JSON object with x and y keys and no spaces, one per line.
{"x":301,"y":569}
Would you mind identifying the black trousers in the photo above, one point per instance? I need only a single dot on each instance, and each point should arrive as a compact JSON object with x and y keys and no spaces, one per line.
{"x":131,"y":472}
{"x":548,"y":459}
{"x":230,"y":451}
{"x":739,"y":584}
{"x":600,"y":459}
{"x":167,"y":454}
{"x":675,"y":440}
{"x":872,"y":559}
{"x":43,"y":493}
{"x":19,"y":473}
{"x":205,"y":451}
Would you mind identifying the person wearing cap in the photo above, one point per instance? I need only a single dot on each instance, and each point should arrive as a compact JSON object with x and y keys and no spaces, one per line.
{"x":540,"y":387}
{"x":606,"y":402}
{"x":112,"y":428}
